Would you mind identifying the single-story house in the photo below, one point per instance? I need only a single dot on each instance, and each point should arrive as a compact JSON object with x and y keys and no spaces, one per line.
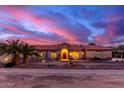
{"x":66,"y":52}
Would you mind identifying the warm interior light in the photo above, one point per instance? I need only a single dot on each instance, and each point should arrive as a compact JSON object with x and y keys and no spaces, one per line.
{"x":64,"y":53}
{"x":53,"y":55}
{"x":71,"y":54}
{"x":74,"y":54}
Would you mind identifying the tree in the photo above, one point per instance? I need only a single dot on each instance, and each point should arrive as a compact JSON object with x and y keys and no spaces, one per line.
{"x":120,"y":50}
{"x":121,"y":47}
{"x":27,"y":51}
{"x":12,"y":47}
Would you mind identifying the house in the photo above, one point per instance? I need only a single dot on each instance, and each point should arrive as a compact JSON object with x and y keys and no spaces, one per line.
{"x":66,"y":52}
{"x":98,"y":52}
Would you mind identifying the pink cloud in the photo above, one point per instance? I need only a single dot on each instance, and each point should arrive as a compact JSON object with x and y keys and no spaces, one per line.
{"x":102,"y":39}
{"x":13,"y":28}
{"x":38,"y":41}
{"x":20,"y":14}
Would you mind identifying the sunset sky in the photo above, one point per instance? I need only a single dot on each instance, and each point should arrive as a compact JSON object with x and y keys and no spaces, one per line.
{"x":103,"y":25}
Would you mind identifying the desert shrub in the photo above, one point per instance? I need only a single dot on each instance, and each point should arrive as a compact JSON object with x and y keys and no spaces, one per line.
{"x":10,"y":64}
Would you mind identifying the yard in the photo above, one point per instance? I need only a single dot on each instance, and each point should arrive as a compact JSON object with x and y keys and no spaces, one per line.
{"x":86,"y":65}
{"x":63,"y":75}
{"x":60,"y":78}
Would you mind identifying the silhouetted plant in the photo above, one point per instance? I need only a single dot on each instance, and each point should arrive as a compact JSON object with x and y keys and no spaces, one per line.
{"x":12,"y":47}
{"x":27,"y":51}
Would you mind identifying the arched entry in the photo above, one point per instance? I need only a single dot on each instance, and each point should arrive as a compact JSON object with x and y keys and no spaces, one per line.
{"x":64,"y":54}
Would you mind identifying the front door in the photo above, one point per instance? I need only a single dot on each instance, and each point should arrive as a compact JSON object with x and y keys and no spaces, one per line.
{"x":64,"y":55}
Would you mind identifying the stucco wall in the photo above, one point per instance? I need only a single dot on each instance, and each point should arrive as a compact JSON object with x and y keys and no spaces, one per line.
{"x":107,"y":54}
{"x":103,"y":54}
{"x":90,"y":54}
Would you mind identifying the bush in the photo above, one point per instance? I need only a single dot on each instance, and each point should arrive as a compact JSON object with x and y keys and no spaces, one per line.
{"x":51,"y":65}
{"x":10,"y":64}
{"x":96,"y":58}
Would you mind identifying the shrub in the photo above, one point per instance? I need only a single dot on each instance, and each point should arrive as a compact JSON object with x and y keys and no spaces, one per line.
{"x":10,"y":64}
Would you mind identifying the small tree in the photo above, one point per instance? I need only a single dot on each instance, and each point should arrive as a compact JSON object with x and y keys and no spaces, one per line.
{"x":121,"y":47}
{"x":120,"y":50}
{"x":27,"y":51}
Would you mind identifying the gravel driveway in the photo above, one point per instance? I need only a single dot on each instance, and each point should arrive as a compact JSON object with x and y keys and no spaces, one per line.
{"x":60,"y":78}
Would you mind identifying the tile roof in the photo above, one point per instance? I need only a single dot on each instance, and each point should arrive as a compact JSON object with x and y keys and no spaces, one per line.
{"x":96,"y":47}
{"x":71,"y":47}
{"x":46,"y":47}
{"x":76,"y":47}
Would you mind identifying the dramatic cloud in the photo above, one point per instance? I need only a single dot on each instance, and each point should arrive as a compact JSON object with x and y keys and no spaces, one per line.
{"x":55,"y":24}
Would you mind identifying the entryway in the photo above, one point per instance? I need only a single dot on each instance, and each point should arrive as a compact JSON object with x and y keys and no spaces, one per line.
{"x":64,"y":54}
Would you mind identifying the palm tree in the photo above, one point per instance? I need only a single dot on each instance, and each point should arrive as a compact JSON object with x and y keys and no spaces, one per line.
{"x":12,"y":47}
{"x":27,"y":51}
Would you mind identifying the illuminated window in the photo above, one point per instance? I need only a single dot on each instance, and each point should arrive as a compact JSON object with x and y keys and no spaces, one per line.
{"x":71,"y":53}
{"x":74,"y":55}
{"x":53,"y":55}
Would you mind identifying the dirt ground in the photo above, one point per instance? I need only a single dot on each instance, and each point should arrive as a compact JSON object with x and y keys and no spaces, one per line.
{"x":90,"y":65}
{"x":52,"y":78}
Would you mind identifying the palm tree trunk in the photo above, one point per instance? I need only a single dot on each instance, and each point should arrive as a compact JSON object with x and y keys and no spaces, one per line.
{"x":26,"y":59}
{"x":16,"y":59}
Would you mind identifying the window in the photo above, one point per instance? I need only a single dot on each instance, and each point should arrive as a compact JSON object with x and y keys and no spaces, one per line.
{"x":71,"y":54}
{"x":53,"y":55}
{"x":74,"y":55}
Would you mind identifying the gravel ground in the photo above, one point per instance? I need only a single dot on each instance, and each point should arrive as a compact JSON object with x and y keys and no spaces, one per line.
{"x":100,"y":65}
{"x":61,"y":78}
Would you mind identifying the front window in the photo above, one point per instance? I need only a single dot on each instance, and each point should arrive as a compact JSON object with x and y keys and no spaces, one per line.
{"x":53,"y":55}
{"x":74,"y":55}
